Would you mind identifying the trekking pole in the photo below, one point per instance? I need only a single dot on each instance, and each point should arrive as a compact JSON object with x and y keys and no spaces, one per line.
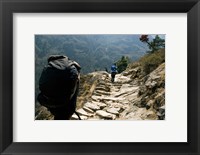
{"x":78,"y":115}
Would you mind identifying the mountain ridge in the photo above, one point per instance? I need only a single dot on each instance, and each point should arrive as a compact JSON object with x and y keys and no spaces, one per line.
{"x":89,"y":50}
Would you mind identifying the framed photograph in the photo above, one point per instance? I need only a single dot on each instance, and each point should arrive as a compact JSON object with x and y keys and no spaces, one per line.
{"x":99,"y":77}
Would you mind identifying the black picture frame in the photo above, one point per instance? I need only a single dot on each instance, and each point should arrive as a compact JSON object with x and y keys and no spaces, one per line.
{"x":8,"y":7}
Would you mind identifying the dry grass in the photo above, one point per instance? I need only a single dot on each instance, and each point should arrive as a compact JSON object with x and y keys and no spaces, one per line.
{"x":151,"y":61}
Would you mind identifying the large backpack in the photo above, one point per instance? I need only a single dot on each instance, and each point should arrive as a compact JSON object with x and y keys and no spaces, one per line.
{"x":58,"y":81}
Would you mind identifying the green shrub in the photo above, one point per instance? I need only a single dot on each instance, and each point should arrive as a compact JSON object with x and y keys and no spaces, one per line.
{"x":151,"y":61}
{"x":122,"y":63}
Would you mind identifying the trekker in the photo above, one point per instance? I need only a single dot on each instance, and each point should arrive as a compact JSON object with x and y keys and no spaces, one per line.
{"x":59,"y":85}
{"x":113,"y":72}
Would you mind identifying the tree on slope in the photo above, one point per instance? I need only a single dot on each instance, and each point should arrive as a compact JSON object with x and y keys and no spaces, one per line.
{"x":154,"y":45}
{"x":122,"y":63}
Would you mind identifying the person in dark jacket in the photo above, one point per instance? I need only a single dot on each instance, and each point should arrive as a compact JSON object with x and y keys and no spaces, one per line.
{"x":59,"y":85}
{"x":113,"y":72}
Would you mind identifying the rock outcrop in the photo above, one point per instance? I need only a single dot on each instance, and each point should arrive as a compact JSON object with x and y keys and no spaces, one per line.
{"x":152,"y":90}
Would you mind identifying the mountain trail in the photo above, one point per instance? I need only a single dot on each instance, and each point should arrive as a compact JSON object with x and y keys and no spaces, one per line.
{"x":114,"y":101}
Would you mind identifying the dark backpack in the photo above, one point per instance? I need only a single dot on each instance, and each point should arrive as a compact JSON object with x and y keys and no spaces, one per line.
{"x":58,"y":81}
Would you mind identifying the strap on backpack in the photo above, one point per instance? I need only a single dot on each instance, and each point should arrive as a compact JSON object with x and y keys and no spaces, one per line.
{"x":78,"y":115}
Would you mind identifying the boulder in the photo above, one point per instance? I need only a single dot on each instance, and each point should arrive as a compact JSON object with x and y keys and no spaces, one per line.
{"x":162,"y":110}
{"x":142,"y":90}
{"x":159,"y":100}
{"x":149,"y":104}
{"x":131,"y":72}
{"x":150,"y":84}
{"x":151,"y":115}
{"x":132,"y":116}
{"x":154,"y":77}
{"x":161,"y":113}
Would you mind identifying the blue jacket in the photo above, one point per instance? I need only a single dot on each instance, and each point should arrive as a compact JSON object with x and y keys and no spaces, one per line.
{"x":114,"y":69}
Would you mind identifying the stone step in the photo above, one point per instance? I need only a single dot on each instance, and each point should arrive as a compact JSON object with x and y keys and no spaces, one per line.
{"x":102,"y":92}
{"x":84,"y":113}
{"x":97,"y":94}
{"x":102,"y":88}
{"x":113,"y":111}
{"x":125,"y":93}
{"x":95,"y":98}
{"x":92,"y":106}
{"x":100,"y":104}
{"x":105,"y":114}
{"x":88,"y":109}
{"x":75,"y":117}
{"x":112,"y":99}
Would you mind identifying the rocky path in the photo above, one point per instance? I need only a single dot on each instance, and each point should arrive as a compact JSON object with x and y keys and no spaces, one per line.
{"x":114,"y":101}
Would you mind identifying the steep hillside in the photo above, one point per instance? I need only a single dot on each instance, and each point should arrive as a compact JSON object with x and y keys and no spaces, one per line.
{"x":91,"y":51}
